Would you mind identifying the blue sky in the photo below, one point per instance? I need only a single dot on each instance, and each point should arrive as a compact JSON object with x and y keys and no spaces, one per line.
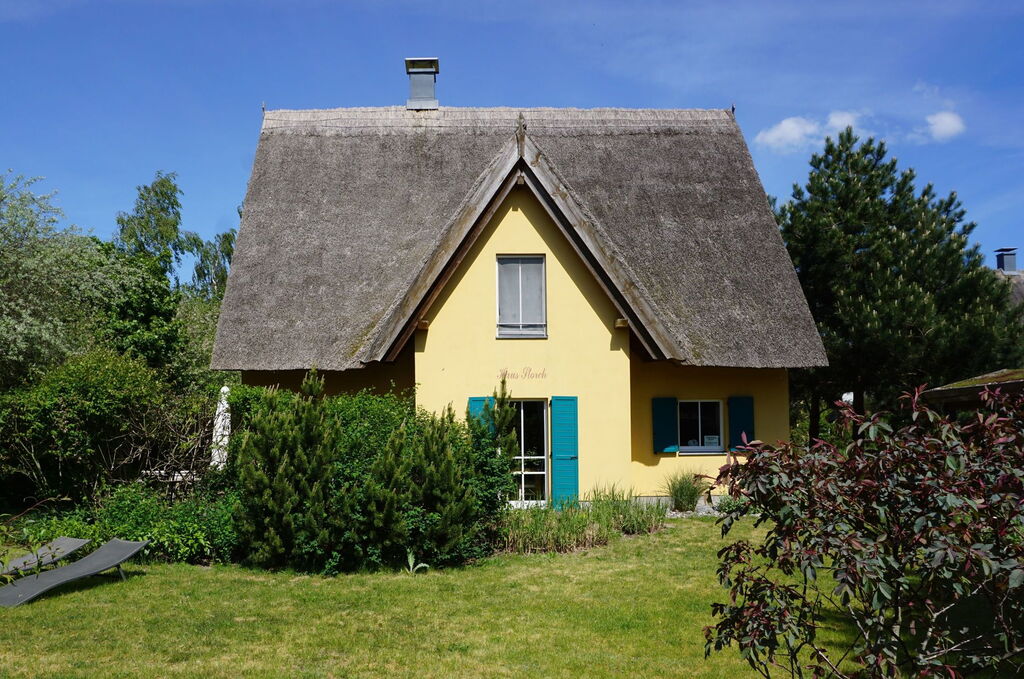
{"x":99,"y":95}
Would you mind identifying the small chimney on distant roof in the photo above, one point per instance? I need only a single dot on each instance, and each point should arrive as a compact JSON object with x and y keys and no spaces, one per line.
{"x":1006,"y":259}
{"x":422,"y":79}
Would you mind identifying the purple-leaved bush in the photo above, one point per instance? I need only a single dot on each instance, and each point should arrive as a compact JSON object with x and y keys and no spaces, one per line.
{"x":911,"y":540}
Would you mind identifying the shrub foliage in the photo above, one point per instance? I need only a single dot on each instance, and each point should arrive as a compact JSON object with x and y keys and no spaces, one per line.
{"x":361,"y":481}
{"x":913,"y":537}
{"x":283,"y":464}
{"x":195,"y":529}
{"x":89,"y":422}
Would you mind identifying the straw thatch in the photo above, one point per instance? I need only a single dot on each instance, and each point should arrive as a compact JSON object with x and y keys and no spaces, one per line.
{"x":351,"y":213}
{"x":1016,"y":279}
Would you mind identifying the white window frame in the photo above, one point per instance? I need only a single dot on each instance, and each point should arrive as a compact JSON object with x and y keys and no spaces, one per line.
{"x":701,"y":450}
{"x":518,"y":474}
{"x":543,"y":334}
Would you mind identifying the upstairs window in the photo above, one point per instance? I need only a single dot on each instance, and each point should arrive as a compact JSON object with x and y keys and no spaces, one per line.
{"x":522,"y":311}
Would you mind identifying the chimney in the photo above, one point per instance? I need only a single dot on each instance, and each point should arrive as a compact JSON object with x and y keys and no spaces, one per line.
{"x":422,"y":78}
{"x":1006,"y":259}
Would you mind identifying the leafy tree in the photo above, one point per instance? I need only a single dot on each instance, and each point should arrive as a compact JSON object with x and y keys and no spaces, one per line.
{"x":189,"y":368}
{"x":912,"y":539}
{"x":62,"y":292}
{"x":153,"y":227}
{"x":213,"y":260}
{"x":52,"y":283}
{"x":897,"y":292}
{"x":140,"y":317}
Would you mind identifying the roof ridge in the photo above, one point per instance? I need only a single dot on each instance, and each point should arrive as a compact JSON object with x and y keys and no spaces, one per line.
{"x":448,"y":109}
{"x":399,"y":118}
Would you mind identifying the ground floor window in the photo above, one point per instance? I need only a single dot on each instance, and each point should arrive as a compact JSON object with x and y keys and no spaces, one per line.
{"x":700,"y":426}
{"x":530,"y":464}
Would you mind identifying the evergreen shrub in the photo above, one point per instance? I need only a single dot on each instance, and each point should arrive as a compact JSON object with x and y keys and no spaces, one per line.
{"x":353,"y":482}
{"x":284,"y":460}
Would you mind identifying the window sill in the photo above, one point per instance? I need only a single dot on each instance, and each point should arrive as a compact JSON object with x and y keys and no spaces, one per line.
{"x":521,"y":337}
{"x":701,"y":451}
{"x":526,"y":504}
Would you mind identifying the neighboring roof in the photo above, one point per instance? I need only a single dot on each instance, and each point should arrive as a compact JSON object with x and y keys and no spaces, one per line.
{"x":1016,"y":279}
{"x":352,"y":214}
{"x":965,"y":392}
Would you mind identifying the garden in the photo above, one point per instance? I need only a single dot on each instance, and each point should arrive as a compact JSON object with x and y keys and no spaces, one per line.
{"x":896,"y":554}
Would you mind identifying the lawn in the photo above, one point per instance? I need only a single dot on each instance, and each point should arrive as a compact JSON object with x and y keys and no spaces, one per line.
{"x":636,"y":607}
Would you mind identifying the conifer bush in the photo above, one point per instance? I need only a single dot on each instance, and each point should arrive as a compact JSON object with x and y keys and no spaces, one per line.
{"x":360,"y":481}
{"x":284,"y":460}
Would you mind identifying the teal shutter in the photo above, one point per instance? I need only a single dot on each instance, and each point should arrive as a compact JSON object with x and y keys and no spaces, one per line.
{"x":565,"y":477}
{"x":665,"y":419}
{"x":741,"y":420}
{"x":476,"y":405}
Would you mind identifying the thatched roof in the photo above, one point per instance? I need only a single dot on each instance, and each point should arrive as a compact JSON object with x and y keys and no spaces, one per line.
{"x":353,"y":215}
{"x":965,"y":393}
{"x":1016,"y":279}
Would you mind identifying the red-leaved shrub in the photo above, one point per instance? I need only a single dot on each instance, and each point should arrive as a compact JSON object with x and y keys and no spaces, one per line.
{"x":912,"y":538}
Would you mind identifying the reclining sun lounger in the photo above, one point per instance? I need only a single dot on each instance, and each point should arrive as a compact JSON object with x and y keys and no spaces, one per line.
{"x":49,"y":553}
{"x":110,"y":555}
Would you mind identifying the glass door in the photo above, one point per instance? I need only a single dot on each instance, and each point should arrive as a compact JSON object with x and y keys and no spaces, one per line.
{"x":530,"y":464}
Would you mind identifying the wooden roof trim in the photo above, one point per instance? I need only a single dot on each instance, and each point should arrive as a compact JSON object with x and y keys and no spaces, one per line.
{"x":593,"y":265}
{"x":479,"y":204}
{"x":557,"y":200}
{"x":523,"y":174}
{"x":451,"y":265}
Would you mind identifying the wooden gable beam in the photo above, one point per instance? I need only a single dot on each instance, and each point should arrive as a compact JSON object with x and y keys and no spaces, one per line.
{"x":453,"y":264}
{"x":528,"y":167}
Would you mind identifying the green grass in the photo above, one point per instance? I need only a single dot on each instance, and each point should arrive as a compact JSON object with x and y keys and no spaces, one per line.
{"x":634,"y":607}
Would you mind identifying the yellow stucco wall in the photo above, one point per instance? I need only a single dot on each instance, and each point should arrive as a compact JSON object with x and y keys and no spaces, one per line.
{"x":584,"y":354}
{"x":650,"y":379}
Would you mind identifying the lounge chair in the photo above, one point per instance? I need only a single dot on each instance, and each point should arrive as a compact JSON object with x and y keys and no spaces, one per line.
{"x":49,"y":553}
{"x":110,"y":555}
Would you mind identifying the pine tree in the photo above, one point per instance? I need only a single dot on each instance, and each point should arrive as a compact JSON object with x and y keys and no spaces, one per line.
{"x":443,"y":510}
{"x":382,"y":536}
{"x":493,"y":445}
{"x":283,"y":462}
{"x":899,"y":295}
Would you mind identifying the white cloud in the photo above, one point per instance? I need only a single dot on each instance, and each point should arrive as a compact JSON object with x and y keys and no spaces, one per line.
{"x":840,"y":120}
{"x":791,"y":134}
{"x":945,"y":125}
{"x":799,"y":133}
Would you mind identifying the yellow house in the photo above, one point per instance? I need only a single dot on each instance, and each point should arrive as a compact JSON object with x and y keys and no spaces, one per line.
{"x":621,"y":269}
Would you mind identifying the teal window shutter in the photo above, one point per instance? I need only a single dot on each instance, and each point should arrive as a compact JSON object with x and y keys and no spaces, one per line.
{"x":741,"y":420}
{"x":476,"y":405}
{"x":665,"y":418}
{"x":565,"y":446}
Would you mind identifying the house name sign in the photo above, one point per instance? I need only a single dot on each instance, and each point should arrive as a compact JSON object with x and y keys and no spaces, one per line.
{"x":525,"y":373}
